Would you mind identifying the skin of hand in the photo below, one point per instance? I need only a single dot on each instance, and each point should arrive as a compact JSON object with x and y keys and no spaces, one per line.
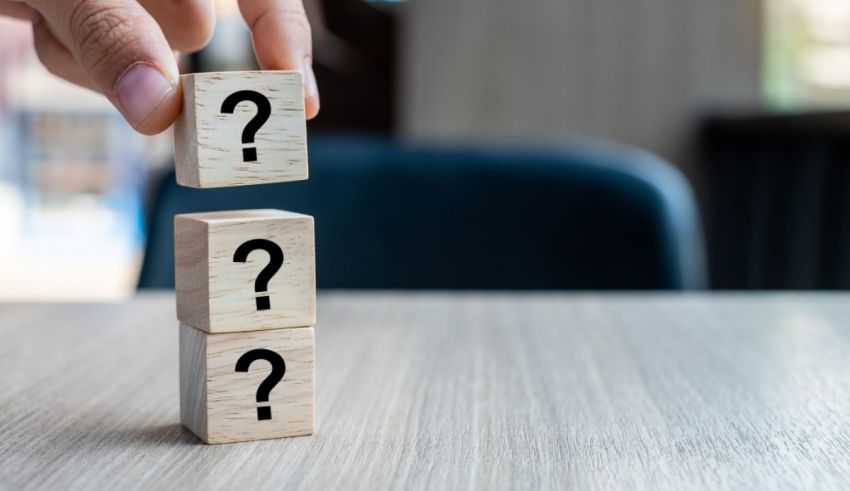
{"x":125,"y":48}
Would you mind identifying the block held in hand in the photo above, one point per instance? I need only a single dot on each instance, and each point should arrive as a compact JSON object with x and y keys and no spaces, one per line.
{"x":241,"y":128}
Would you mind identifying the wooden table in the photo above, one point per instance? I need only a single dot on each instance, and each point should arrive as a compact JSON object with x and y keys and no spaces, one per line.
{"x":450,"y":391}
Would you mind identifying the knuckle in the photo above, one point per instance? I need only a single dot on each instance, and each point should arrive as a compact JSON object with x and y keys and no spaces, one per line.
{"x":99,"y":32}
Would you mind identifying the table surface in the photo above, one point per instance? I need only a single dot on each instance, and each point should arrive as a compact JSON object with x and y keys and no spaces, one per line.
{"x":453,"y":390}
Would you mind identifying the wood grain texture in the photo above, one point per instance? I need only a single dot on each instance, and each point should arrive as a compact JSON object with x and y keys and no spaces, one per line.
{"x":219,"y":404}
{"x":453,"y":391}
{"x":208,"y":143}
{"x":217,"y":294}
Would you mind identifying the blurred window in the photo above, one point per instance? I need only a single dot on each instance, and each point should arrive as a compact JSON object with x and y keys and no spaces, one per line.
{"x":72,"y":173}
{"x":807,"y":54}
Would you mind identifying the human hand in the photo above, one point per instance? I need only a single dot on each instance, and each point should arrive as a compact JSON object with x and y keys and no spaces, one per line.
{"x":125,"y":48}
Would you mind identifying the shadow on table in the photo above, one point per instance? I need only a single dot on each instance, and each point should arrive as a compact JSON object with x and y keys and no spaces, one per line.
{"x":165,"y":434}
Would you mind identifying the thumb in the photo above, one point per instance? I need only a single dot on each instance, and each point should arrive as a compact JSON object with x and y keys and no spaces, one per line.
{"x":125,"y":53}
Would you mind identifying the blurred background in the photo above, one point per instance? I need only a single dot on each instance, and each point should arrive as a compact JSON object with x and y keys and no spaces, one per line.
{"x":509,"y":144}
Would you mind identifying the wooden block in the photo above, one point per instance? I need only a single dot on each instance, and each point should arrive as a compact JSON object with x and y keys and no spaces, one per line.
{"x":231,"y":388}
{"x":221,"y":262}
{"x":240,"y":128}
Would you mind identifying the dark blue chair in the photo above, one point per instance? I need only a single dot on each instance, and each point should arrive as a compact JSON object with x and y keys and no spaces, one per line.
{"x":391,"y":215}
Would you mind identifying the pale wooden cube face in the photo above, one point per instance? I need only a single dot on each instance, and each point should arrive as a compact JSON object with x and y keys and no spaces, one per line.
{"x":210,"y":134}
{"x":228,"y":271}
{"x":221,"y":375}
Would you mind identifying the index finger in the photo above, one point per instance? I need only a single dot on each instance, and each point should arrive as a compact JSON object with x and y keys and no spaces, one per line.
{"x":282,"y":41}
{"x":13,"y":8}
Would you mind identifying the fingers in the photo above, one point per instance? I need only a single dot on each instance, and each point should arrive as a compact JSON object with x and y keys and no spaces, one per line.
{"x":18,"y":10}
{"x":187,"y":24}
{"x":282,"y":41}
{"x":56,"y":57}
{"x":124,"y":52}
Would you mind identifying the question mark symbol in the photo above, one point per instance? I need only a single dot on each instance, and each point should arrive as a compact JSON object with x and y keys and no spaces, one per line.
{"x":275,"y":262}
{"x":264,"y":110}
{"x":278,"y":369}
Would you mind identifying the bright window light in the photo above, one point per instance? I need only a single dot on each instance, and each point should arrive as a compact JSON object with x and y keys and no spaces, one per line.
{"x":807,"y":54}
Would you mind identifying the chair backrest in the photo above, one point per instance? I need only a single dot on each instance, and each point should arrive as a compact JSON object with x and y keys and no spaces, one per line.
{"x":390,"y":215}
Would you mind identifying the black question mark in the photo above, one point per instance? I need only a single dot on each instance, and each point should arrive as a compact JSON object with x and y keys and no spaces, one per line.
{"x":264,"y":110}
{"x":275,"y":262}
{"x":278,"y":369}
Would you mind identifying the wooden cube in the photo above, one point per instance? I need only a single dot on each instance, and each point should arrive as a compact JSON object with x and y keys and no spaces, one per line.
{"x":240,"y":128}
{"x":245,"y":386}
{"x":245,"y":270}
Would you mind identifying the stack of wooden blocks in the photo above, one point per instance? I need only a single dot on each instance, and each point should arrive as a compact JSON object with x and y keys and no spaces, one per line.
{"x":245,"y":280}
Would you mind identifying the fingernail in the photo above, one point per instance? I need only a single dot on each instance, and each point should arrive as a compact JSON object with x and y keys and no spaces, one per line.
{"x":311,"y":90}
{"x":140,"y":90}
